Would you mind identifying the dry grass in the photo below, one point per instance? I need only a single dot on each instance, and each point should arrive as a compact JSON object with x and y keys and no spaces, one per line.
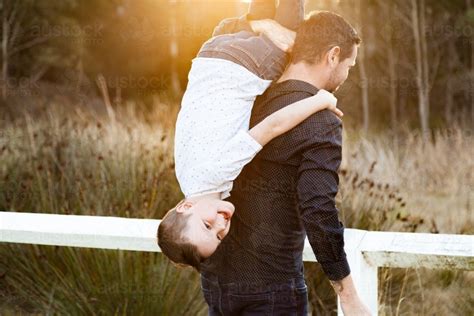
{"x":435,"y":179}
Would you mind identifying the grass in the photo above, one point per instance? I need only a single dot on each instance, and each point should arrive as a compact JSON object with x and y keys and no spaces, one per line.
{"x":75,"y":162}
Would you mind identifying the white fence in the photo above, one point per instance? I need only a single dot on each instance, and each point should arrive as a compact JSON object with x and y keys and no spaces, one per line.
{"x":366,"y":250}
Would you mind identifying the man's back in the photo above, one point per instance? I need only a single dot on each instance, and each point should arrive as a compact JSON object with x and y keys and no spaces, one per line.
{"x":277,"y":199}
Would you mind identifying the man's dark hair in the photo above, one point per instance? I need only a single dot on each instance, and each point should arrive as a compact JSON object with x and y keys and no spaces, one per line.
{"x":172,"y":243}
{"x":320,"y":32}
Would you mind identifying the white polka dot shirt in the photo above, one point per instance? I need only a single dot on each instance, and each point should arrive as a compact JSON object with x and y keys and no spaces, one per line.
{"x":212,"y":143}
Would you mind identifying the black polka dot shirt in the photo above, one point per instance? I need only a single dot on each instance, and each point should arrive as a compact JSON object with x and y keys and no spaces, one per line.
{"x":287,"y":192}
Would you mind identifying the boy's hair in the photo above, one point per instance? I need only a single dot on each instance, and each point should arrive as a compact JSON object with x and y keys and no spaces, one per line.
{"x":173,"y":244}
{"x":321,"y":31}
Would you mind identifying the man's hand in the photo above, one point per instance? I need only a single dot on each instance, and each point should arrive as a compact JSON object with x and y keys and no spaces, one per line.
{"x":350,"y":301}
{"x":281,"y":36}
{"x":354,"y":307}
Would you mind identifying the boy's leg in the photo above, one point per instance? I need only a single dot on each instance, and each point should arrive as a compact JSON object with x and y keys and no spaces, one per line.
{"x":261,"y":9}
{"x":258,"y":10}
{"x":290,"y":13}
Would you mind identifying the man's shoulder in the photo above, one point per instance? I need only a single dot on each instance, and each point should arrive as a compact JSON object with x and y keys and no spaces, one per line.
{"x":277,"y":97}
{"x":322,"y":127}
{"x":323,"y":120}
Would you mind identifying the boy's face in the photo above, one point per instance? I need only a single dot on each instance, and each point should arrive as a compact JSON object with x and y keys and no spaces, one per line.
{"x":208,"y":223}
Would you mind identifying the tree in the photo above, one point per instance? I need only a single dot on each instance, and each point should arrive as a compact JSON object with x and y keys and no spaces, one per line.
{"x":418,"y":20}
{"x":387,"y":9}
{"x":470,"y":13}
{"x":15,"y":37}
{"x":364,"y":80}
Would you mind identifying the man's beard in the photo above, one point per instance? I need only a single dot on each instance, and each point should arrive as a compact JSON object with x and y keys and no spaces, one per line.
{"x":333,"y":83}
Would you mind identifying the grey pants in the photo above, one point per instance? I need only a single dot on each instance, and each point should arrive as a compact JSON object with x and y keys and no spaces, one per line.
{"x":257,"y":53}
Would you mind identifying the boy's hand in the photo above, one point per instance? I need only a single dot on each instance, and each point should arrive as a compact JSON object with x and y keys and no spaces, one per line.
{"x":281,"y":36}
{"x":329,"y":101}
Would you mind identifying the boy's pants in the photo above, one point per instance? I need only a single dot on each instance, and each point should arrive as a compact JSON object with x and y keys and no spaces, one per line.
{"x":255,"y":52}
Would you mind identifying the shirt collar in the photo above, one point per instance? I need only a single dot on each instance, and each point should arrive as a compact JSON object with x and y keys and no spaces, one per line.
{"x":294,"y":85}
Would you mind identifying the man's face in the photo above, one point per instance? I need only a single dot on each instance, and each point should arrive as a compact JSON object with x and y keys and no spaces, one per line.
{"x":208,"y":223}
{"x":340,"y":73}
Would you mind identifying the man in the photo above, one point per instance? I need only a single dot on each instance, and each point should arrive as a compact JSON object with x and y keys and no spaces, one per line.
{"x":288,"y":191}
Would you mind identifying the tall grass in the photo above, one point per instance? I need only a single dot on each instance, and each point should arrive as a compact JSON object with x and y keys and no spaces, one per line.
{"x":434,"y":180}
{"x":73,"y":162}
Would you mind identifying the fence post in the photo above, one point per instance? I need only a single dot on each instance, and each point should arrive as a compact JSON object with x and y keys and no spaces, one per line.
{"x":363,"y":274}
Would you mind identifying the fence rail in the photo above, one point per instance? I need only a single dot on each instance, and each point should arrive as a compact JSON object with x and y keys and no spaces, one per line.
{"x":366,"y":250}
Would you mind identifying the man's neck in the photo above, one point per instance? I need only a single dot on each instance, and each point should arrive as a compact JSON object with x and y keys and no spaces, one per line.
{"x":305,"y":72}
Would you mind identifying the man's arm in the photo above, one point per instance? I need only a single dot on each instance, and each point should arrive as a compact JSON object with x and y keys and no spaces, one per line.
{"x":317,"y":188}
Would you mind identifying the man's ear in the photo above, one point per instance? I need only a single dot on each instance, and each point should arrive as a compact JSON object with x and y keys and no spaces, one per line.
{"x":183,"y":206}
{"x":333,"y":56}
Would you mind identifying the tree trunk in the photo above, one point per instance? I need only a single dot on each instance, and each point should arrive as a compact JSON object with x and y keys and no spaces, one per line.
{"x":392,"y":68}
{"x":421,"y":60}
{"x":5,"y":32}
{"x":364,"y":90}
{"x":425,"y":64}
{"x":364,"y":80}
{"x":448,"y":110}
{"x":393,"y":87}
{"x":471,"y":75}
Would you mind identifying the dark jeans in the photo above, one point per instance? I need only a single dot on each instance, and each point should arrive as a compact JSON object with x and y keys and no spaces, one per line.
{"x":256,"y":298}
{"x":257,"y":53}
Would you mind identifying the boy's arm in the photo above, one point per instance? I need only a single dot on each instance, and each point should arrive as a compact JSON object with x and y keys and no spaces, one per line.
{"x":232,"y":25}
{"x":292,"y":115}
{"x":282,"y":37}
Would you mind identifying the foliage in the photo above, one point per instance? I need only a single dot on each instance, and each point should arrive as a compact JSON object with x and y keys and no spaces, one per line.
{"x":129,"y":43}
